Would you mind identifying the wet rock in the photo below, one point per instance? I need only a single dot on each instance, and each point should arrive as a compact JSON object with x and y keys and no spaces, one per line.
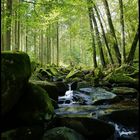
{"x":99,"y":95}
{"x":88,"y":127}
{"x":127,"y":117}
{"x":15,"y":72}
{"x":108,"y":101}
{"x":125,"y":91}
{"x":95,"y":111}
{"x":50,"y":88}
{"x":62,"y":133}
{"x":83,"y":84}
{"x":34,"y":132}
{"x":62,"y":87}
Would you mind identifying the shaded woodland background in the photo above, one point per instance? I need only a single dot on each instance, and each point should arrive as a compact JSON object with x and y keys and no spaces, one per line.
{"x":77,"y":32}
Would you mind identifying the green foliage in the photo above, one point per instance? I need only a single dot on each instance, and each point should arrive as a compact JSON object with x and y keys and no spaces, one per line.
{"x":75,"y":44}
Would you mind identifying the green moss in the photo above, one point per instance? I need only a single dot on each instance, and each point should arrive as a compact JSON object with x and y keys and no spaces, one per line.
{"x":121,"y":78}
{"x":35,"y":104}
{"x":15,"y":71}
{"x":16,"y":63}
{"x":127,"y":69}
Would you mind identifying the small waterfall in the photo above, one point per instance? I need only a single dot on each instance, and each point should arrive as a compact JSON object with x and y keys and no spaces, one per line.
{"x":69,"y":93}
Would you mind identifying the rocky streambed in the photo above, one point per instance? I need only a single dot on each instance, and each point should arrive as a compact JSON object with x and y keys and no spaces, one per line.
{"x":98,"y":104}
{"x":47,"y":106}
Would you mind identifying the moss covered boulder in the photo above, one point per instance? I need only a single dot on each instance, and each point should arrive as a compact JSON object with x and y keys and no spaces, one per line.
{"x":15,"y":72}
{"x":50,"y":88}
{"x":90,"y":128}
{"x":34,"y":132}
{"x":62,"y":133}
{"x":121,"y":79}
{"x":123,"y":76}
{"x":125,"y":91}
{"x":35,"y":105}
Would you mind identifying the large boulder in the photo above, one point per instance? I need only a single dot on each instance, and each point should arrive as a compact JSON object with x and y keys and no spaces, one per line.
{"x":90,"y":128}
{"x":15,"y":72}
{"x":62,"y":133}
{"x":34,"y":107}
{"x":62,"y":87}
{"x":99,"y":95}
{"x":122,"y":76}
{"x":128,"y":117}
{"x":50,"y":88}
{"x":34,"y":132}
{"x":125,"y":91}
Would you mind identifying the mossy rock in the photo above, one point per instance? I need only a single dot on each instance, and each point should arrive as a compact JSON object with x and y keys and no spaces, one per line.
{"x":125,"y":91}
{"x":74,"y":73}
{"x":98,"y":73}
{"x":34,"y":132}
{"x":35,"y":105}
{"x":88,"y":127}
{"x":62,"y":87}
{"x":120,"y":78}
{"x":127,"y":117}
{"x":62,"y":133}
{"x":15,"y":72}
{"x":53,"y":71}
{"x":50,"y":88}
{"x":127,"y":69}
{"x":83,"y":84}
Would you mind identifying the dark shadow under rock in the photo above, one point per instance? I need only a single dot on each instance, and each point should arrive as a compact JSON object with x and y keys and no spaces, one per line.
{"x":90,"y":128}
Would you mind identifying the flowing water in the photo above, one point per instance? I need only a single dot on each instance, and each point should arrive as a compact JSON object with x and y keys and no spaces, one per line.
{"x":79,"y":103}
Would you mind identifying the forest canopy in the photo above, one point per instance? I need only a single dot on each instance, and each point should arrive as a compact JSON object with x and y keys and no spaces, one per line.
{"x":78,"y":32}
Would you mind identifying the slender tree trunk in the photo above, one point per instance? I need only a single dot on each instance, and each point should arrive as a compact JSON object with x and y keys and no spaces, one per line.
{"x":2,"y":26}
{"x":16,"y":32}
{"x":93,"y":39}
{"x":35,"y":46}
{"x":41,"y":48}
{"x":57,"y":44}
{"x":98,"y":39}
{"x":8,"y":25}
{"x":112,"y":30}
{"x":133,"y":47}
{"x":48,"y":46}
{"x":26,"y":39}
{"x":104,"y":36}
{"x":122,"y":31}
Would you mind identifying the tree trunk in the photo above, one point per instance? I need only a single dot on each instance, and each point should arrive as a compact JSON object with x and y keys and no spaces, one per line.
{"x":98,"y":39}
{"x":93,"y":39}
{"x":57,"y":44}
{"x":133,"y":47}
{"x":8,"y":25}
{"x":112,"y":30}
{"x":2,"y":26}
{"x":122,"y":31}
{"x":26,"y":40}
{"x":48,"y":46}
{"x":35,"y":46}
{"x":104,"y":36}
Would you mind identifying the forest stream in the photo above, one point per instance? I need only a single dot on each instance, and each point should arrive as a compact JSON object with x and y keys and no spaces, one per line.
{"x":79,"y":104}
{"x":67,"y":103}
